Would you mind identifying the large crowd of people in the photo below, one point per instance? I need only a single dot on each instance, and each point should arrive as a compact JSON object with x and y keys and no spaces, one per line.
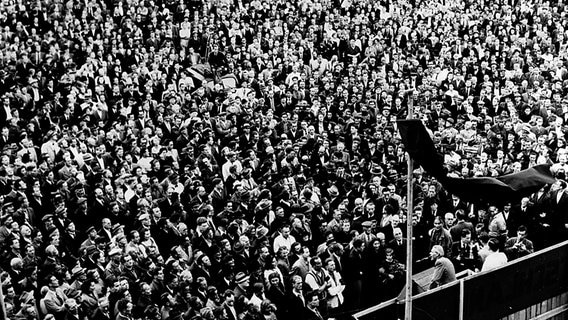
{"x":241,"y":160}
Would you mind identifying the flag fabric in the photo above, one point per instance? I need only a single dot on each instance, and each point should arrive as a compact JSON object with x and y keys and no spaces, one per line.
{"x":420,"y":147}
{"x":500,"y":189}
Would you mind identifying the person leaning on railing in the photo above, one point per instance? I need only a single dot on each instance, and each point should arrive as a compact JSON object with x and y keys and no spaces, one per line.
{"x":444,"y":269}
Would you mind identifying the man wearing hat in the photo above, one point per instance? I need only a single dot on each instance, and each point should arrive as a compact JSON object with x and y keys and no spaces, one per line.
{"x":50,"y":147}
{"x":48,"y":225}
{"x":444,"y":269}
{"x":334,"y":197}
{"x":367,"y":236}
{"x":113,"y":269}
{"x":61,"y":221}
{"x":245,"y":138}
{"x":242,"y":284}
{"x":79,"y":274}
{"x":91,"y":236}
{"x":82,"y":219}
{"x":145,"y":222}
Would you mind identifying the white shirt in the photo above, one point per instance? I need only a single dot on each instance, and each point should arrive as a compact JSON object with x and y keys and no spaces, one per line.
{"x":128,"y":194}
{"x":8,"y":113}
{"x":280,"y":241}
{"x":256,"y":301}
{"x":312,"y":280}
{"x":227,"y":165}
{"x":494,"y":260}
{"x":335,"y":297}
{"x":185,"y":33}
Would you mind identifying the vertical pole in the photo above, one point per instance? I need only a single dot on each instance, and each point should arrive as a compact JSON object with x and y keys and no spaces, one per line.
{"x":2,"y":305}
{"x":410,"y":202}
{"x":461,"y":298}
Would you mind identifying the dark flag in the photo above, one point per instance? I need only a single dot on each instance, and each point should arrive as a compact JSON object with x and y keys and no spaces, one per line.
{"x":501,"y":189}
{"x":420,"y":147}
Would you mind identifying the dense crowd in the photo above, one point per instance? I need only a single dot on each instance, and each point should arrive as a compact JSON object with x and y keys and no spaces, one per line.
{"x":240,"y":159}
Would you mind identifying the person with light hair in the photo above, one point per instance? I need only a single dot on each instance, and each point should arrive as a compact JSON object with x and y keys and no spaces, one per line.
{"x":444,"y":269}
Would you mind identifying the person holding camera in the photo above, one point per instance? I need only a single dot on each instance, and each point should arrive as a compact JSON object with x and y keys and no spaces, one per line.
{"x":519,"y":246}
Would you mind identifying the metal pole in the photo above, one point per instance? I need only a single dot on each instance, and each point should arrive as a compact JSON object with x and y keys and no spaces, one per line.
{"x":410,"y":201}
{"x":2,"y":304}
{"x":461,"y":298}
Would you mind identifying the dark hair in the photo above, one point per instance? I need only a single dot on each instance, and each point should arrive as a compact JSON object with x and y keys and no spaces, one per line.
{"x":86,"y":285}
{"x":493,"y":244}
{"x":132,"y":233}
{"x":314,"y":259}
{"x":268,"y":262}
{"x":258,"y":287}
{"x":121,"y":305}
{"x":483,"y":237}
{"x":310,"y":296}
{"x":228,"y":293}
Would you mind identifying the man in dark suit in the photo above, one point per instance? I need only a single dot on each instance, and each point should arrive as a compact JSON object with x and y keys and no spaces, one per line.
{"x":99,"y":206}
{"x":203,"y":268}
{"x":5,"y":112}
{"x":245,"y":138}
{"x":101,"y":160}
{"x":464,"y":254}
{"x":60,"y":220}
{"x":229,"y":305}
{"x":105,"y":231}
{"x":167,"y":128}
{"x":521,"y":214}
{"x":559,"y":206}
{"x":456,"y":204}
{"x":102,"y":312}
{"x":398,"y":245}
{"x":334,"y":251}
{"x":312,"y":308}
{"x":388,"y":229}
{"x":99,"y":114}
{"x":295,"y":133}
{"x":387,"y":199}
{"x":353,"y":268}
{"x":296,"y":299}
{"x":218,"y":195}
{"x":462,"y":224}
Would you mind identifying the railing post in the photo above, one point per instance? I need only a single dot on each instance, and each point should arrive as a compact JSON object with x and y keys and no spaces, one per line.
{"x":461,"y":298}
